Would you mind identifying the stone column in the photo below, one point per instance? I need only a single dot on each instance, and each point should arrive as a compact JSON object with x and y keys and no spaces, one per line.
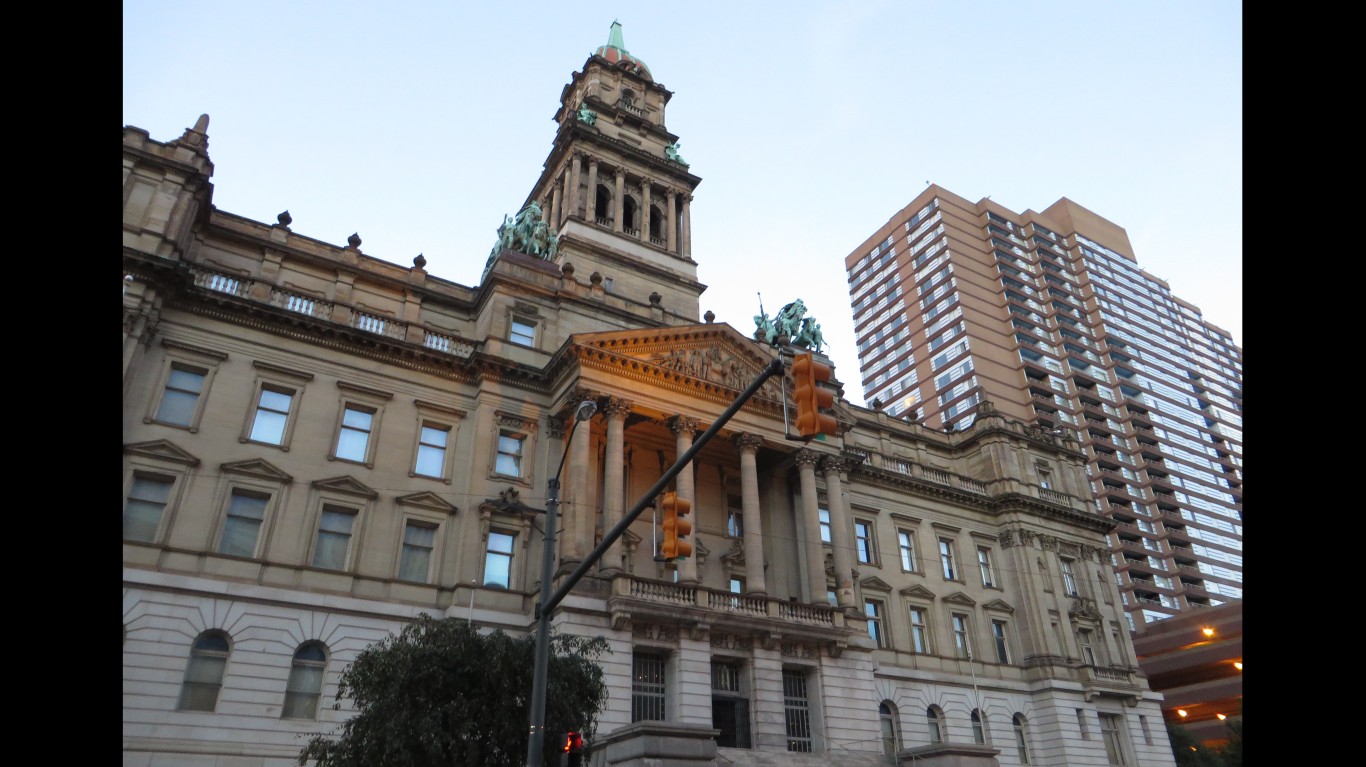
{"x":555,"y":196}
{"x":748,"y":445}
{"x":811,"y":524}
{"x":620,"y":203}
{"x":645,"y":210}
{"x":672,"y":196}
{"x":571,"y":202}
{"x":580,"y":530}
{"x":841,"y":527}
{"x":683,"y":429}
{"x":591,"y":204}
{"x":613,"y":486}
{"x":686,"y":250}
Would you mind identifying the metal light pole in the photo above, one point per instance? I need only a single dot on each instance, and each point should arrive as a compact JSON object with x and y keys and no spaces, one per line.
{"x":535,"y":749}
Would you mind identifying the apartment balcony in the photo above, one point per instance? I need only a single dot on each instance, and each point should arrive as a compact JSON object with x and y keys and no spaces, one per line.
{"x":1175,"y":534}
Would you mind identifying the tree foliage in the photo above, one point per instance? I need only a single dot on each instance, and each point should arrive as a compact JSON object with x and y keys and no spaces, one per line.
{"x":441,"y":693}
{"x":1190,"y":752}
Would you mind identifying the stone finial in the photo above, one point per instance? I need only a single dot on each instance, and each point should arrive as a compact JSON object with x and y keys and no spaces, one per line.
{"x":567,"y":269}
{"x":710,"y":316}
{"x":655,"y":299}
{"x":285,"y":219}
{"x":595,"y":278}
{"x":419,"y":261}
{"x":354,"y":240}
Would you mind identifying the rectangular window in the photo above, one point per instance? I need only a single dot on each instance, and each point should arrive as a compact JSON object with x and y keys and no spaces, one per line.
{"x":984,"y":562}
{"x":647,"y":687}
{"x":498,"y":560}
{"x":920,"y":638}
{"x":946,"y":559}
{"x":863,"y":541}
{"x":334,"y":537}
{"x":960,"y":636}
{"x":272,"y":416}
{"x":796,"y":711}
{"x":431,"y":451}
{"x":1088,"y":652}
{"x":242,"y":525}
{"x":1111,"y":732}
{"x":906,"y":542}
{"x":998,"y":635}
{"x":522,"y":332}
{"x":146,"y":504}
{"x":415,"y":560}
{"x":509,"y":460}
{"x":1069,"y":579}
{"x":873,"y":609}
{"x":824,"y":515}
{"x":181,"y":397}
{"x":353,"y":439}
{"x":735,"y":523}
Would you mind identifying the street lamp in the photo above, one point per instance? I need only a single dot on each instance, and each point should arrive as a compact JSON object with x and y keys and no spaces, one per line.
{"x":535,"y":749}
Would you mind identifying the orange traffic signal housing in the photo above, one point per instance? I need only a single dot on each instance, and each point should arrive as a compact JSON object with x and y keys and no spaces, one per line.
{"x":807,"y":374}
{"x":676,"y":527}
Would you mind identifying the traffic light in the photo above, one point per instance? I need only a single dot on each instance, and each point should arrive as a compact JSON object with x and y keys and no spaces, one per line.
{"x":571,"y":751}
{"x":676,"y":527}
{"x":807,"y":373}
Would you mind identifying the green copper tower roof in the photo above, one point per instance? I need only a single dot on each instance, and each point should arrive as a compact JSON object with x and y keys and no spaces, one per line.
{"x":615,"y":52}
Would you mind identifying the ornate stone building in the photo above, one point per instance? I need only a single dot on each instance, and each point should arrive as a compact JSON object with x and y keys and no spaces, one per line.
{"x":319,"y":445}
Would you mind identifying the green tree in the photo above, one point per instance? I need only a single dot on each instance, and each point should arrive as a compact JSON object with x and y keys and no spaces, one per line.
{"x":441,"y":693}
{"x":1190,"y":752}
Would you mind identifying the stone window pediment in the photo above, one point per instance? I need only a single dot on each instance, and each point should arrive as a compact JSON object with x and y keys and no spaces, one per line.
{"x":917,"y":592}
{"x":258,"y":469}
{"x":876,"y":584}
{"x":999,"y":605}
{"x":428,"y":500}
{"x":347,"y":485}
{"x":959,"y":598}
{"x":162,"y":450}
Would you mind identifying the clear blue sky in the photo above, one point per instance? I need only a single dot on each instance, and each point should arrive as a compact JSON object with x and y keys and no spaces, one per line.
{"x":420,"y":124}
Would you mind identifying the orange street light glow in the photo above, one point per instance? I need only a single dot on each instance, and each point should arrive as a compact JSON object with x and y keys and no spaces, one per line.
{"x":1181,"y":712}
{"x":1209,"y":632}
{"x":1221,"y":717}
{"x":1238,"y":665}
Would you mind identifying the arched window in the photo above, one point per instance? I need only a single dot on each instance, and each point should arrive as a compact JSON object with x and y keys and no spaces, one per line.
{"x":305,"y":681}
{"x":978,"y":727}
{"x":628,"y":213}
{"x":1021,"y":737}
{"x":602,"y":206}
{"x":935,"y":720}
{"x":204,"y":672}
{"x":891,"y":728}
{"x":657,"y":223}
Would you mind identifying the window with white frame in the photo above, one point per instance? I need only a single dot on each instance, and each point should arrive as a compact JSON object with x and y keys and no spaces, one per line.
{"x":920,"y":633}
{"x":305,"y":685}
{"x":978,"y":727}
{"x":888,"y":720}
{"x":998,"y":637}
{"x":946,"y":559}
{"x":824,"y":516}
{"x":959,"y":623}
{"x":204,"y":672}
{"x":246,"y":513}
{"x":277,"y":394}
{"x":905,"y":540}
{"x":984,"y":564}
{"x":433,"y":441}
{"x":873,"y":609}
{"x":934,"y":718}
{"x":522,"y":332}
{"x":415,"y":557}
{"x":498,"y":559}
{"x":1069,"y":578}
{"x":180,"y":399}
{"x":863,"y":541}
{"x":333,"y":546}
{"x":735,"y":523}
{"x":273,"y":406}
{"x":146,"y":506}
{"x":1086,"y":643}
{"x":353,"y":435}
{"x":510,"y":448}
{"x":1021,"y":737}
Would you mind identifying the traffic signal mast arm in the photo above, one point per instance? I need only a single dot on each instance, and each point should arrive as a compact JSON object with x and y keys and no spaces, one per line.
{"x":774,"y":367}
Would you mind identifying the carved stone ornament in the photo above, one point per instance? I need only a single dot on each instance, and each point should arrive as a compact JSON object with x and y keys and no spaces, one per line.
{"x":655,"y":631}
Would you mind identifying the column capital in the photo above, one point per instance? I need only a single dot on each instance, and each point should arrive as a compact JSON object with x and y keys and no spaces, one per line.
{"x":679,"y":424}
{"x":746,"y":442}
{"x":807,"y":458}
{"x":831,"y":464}
{"x":593,"y":159}
{"x":616,"y":406}
{"x":671,"y":193}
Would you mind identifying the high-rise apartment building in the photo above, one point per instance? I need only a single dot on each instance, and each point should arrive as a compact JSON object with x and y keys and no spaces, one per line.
{"x":1049,"y":317}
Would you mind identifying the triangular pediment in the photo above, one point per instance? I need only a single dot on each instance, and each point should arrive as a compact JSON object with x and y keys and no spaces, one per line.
{"x":712,"y":357}
{"x":162,"y":450}
{"x":427,"y":500}
{"x":999,"y":605}
{"x":917,"y":591}
{"x":258,"y":468}
{"x":348,"y":485}
{"x":876,"y":584}
{"x":959,"y":598}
